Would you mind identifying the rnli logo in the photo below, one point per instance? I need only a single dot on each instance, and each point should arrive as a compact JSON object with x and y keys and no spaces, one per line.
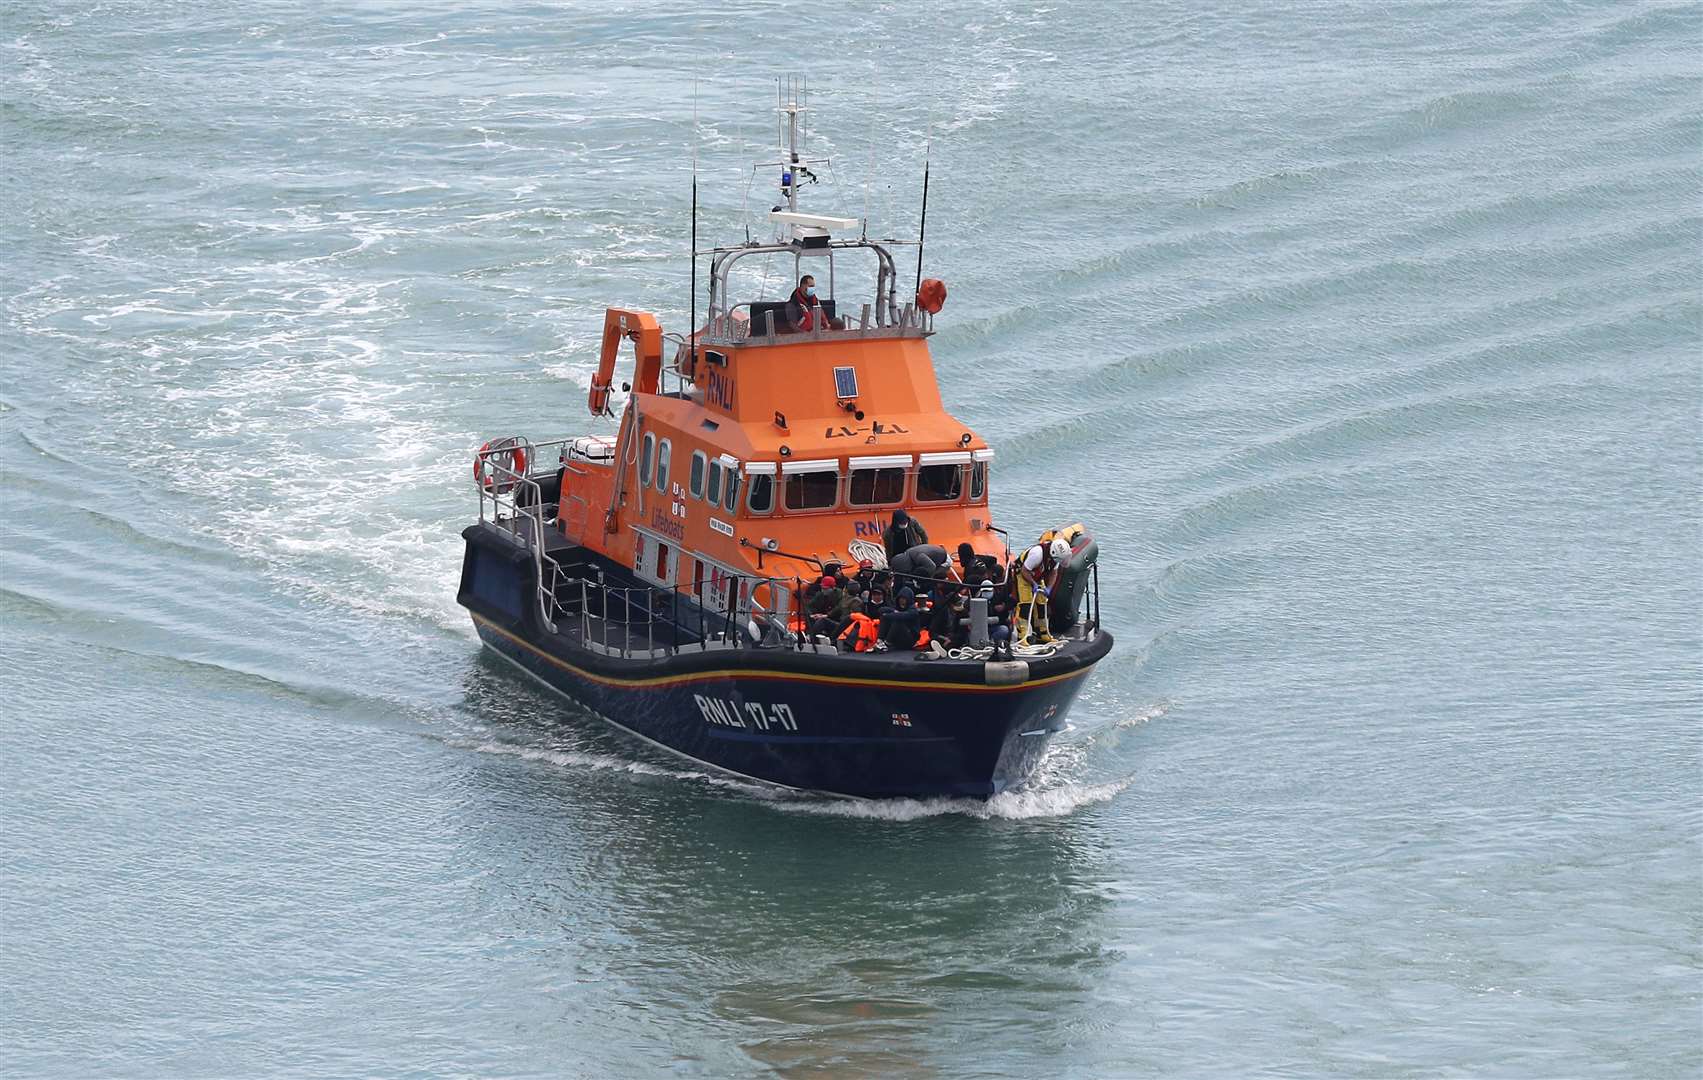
{"x":718,"y":389}
{"x":901,"y":719}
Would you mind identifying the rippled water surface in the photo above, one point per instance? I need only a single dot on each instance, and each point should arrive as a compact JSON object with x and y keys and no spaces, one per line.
{"x":1365,"y":337}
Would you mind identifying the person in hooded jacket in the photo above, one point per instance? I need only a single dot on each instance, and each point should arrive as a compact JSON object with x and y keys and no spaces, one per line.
{"x":946,"y":623}
{"x":973,"y":569}
{"x":919,"y":561}
{"x":901,"y":624}
{"x":904,"y":532}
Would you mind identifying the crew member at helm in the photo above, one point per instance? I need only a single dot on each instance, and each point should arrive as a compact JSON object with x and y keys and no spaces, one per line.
{"x":804,"y":310}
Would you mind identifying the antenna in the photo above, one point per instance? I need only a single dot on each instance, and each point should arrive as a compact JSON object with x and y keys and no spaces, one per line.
{"x":922,"y":228}
{"x":745,"y":203}
{"x":874,"y":103}
{"x":692,"y":328}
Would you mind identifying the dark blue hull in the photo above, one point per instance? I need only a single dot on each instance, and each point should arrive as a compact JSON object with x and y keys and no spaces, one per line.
{"x":870,"y":725}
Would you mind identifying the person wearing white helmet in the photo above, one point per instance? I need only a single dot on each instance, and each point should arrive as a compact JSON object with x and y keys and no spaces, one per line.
{"x":1037,"y":577}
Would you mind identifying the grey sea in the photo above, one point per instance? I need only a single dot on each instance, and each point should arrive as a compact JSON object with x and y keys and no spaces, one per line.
{"x":1368,"y":339}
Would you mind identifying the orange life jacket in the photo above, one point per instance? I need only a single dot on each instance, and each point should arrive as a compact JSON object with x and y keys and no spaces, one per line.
{"x":862,"y":630}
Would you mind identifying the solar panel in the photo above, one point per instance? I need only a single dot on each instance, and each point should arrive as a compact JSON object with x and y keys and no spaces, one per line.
{"x":845,"y":382}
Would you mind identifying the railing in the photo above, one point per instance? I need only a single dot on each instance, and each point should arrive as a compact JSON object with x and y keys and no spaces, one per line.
{"x":1088,"y":609}
{"x":513,"y":502}
{"x":723,"y":328}
{"x":649,"y":621}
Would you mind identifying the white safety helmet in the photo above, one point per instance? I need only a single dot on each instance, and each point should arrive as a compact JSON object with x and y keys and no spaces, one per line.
{"x":1060,"y":550}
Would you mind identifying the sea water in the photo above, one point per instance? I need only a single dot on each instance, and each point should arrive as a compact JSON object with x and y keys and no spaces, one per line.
{"x":1365,"y":338}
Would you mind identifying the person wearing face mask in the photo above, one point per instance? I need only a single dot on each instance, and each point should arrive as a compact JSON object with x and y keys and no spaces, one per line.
{"x":804,"y":311}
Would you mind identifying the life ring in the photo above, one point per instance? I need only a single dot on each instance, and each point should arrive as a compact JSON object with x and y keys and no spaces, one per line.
{"x":508,"y":454}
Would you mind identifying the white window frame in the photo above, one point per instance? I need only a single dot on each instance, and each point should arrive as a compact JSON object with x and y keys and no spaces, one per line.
{"x":877,"y":461}
{"x":984,"y":460}
{"x":827,"y":465}
{"x":957,"y":458}
{"x":760,"y":468}
{"x":664,"y":456}
{"x":698,"y":473}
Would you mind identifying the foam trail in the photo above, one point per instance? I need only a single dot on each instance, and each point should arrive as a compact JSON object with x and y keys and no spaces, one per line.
{"x":1142,"y":716}
{"x":1024,"y":805}
{"x":577,"y":760}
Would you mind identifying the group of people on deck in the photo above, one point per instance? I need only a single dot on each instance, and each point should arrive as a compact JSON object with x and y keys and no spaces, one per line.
{"x":922,"y":599}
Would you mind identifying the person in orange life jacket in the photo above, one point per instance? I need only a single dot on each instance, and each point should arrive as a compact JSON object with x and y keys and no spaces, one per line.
{"x":901,"y":624}
{"x":861,"y":631}
{"x":804,"y":310}
{"x":903,"y":534}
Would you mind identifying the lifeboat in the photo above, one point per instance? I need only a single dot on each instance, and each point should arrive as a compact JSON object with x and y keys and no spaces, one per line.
{"x":670,"y":579}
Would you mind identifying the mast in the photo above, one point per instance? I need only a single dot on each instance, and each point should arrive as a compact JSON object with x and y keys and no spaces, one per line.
{"x":789,"y":171}
{"x":692,"y":328}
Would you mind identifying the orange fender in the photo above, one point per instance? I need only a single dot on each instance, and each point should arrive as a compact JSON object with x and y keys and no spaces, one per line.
{"x":932,"y":296}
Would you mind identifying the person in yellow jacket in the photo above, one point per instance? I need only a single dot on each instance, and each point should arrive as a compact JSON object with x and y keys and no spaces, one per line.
{"x":1037,"y":577}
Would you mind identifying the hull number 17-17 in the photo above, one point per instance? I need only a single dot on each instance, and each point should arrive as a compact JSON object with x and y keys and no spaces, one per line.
{"x":754,"y":714}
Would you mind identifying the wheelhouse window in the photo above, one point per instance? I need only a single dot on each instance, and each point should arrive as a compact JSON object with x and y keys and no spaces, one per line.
{"x":940,"y":477}
{"x":730,"y":498}
{"x":979,"y":475}
{"x":760,"y":487}
{"x":877,"y":481}
{"x":712,"y":490}
{"x":664,"y":453}
{"x":811,"y":485}
{"x":645,"y":455}
{"x":697,"y":476}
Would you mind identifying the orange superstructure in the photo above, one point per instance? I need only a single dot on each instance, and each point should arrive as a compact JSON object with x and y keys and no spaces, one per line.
{"x":769,"y":450}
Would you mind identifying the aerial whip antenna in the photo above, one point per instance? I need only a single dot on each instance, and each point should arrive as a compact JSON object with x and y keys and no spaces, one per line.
{"x":874,"y":107}
{"x":692,"y":328}
{"x":922,"y":227}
